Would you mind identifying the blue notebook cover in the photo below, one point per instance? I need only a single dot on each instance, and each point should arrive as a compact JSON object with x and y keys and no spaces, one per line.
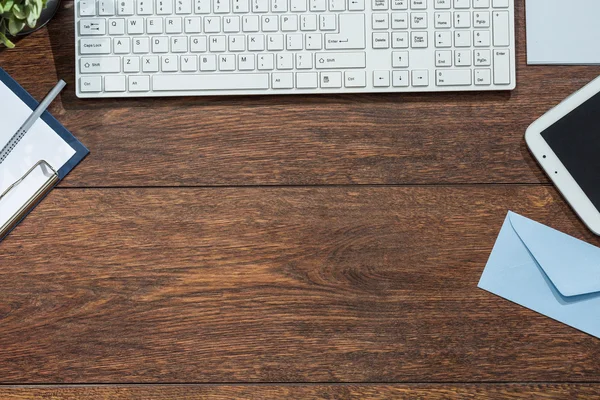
{"x":80,"y":150}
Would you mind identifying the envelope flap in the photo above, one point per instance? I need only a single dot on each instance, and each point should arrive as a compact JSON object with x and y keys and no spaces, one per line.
{"x":572,"y":265}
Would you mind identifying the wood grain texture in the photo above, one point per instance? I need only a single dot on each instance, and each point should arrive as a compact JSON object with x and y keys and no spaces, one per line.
{"x":282,"y":392}
{"x":297,"y":140}
{"x":276,"y":285}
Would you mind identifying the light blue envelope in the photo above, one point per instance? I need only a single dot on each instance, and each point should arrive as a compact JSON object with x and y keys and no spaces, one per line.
{"x":546,"y":271}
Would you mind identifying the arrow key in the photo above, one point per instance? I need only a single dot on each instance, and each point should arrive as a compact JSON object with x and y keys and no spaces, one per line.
{"x":381,"y":78}
{"x":420,"y":77}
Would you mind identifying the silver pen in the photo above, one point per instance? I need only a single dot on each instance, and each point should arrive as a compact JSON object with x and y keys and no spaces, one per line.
{"x":35,"y":115}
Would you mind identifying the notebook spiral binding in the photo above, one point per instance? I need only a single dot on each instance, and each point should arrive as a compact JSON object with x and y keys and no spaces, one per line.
{"x":29,"y":204}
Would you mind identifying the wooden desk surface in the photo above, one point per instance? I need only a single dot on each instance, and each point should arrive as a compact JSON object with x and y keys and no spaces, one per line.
{"x":284,"y":247}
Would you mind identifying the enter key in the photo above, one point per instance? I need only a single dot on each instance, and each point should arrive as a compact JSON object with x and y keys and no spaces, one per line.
{"x":351,"y":34}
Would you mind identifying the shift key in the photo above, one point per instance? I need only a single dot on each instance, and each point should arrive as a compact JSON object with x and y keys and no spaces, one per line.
{"x":355,"y":59}
{"x":96,"y":65}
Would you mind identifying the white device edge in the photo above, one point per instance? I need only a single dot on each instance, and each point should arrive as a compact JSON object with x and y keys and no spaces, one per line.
{"x":551,"y":164}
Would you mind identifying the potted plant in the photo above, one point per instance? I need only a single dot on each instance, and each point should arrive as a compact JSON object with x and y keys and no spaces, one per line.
{"x":21,"y":17}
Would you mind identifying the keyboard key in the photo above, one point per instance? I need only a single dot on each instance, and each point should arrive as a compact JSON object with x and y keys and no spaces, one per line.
{"x":443,"y":39}
{"x":381,"y":40}
{"x":501,"y":67}
{"x":135,"y":26}
{"x":149,"y":64}
{"x":481,"y":19}
{"x":307,"y":80}
{"x":453,"y":77}
{"x":169,"y":64}
{"x":481,"y":39}
{"x":285,"y":61}
{"x":356,"y":5}
{"x":163,"y":7}
{"x":462,"y":39}
{"x":380,"y":5}
{"x":500,"y":3}
{"x":399,"y":4}
{"x":126,"y":7}
{"x":87,"y":8}
{"x":331,"y":80}
{"x":380,"y":21}
{"x":419,"y":40}
{"x":298,"y":6}
{"x":208,"y":63}
{"x":283,"y":80}
{"x":131,"y":64}
{"x":501,"y":26}
{"x":400,"y":40}
{"x":139,"y":83}
{"x":351,"y":34}
{"x":418,"y":4}
{"x":94,"y":46}
{"x":483,"y":77}
{"x":99,"y":65}
{"x":174,"y":82}
{"x":246,"y":62}
{"x":418,"y":21}
{"x":88,"y":27}
{"x":400,"y":59}
{"x":462,"y":19}
{"x":226,"y":62}
{"x":420,"y":78}
{"x":145,"y":7}
{"x":443,"y":20}
{"x":355,"y":79}
{"x":381,"y":78}
{"x":90,"y":84}
{"x":462,"y":58}
{"x":122,"y":45}
{"x":483,"y":58}
{"x":304,"y":60}
{"x":443,"y":58}
{"x":106,"y":7}
{"x":114,"y":83}
{"x":399,"y":20}
{"x":341,"y":60}
{"x":400,"y":78}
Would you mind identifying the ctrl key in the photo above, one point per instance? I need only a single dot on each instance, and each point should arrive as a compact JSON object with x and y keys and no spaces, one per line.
{"x":90,"y":84}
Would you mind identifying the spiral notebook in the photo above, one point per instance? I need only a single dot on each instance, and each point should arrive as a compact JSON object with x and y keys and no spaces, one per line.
{"x":43,"y":157}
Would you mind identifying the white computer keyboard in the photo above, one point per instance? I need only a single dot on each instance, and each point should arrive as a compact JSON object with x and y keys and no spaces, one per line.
{"x":135,"y":48}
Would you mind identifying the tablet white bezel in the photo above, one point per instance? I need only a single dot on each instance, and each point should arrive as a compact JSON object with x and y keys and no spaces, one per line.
{"x":552,"y":165}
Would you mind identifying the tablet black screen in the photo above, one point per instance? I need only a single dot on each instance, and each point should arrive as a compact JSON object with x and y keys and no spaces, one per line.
{"x":575,"y":139}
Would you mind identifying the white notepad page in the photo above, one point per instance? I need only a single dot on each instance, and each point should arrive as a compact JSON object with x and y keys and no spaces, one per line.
{"x":40,"y":143}
{"x":563,"y":31}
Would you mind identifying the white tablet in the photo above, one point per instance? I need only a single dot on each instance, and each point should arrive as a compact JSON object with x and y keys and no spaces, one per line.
{"x":566,"y":143}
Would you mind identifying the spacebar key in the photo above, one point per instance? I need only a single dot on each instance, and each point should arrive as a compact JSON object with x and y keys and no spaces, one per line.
{"x":210,"y":82}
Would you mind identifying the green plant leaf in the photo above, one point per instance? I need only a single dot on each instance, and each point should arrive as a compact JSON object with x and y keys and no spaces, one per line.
{"x":8,"y":5}
{"x":19,"y":12}
{"x":4,"y":40}
{"x":32,"y":18}
{"x":15,"y":26}
{"x":1,"y":9}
